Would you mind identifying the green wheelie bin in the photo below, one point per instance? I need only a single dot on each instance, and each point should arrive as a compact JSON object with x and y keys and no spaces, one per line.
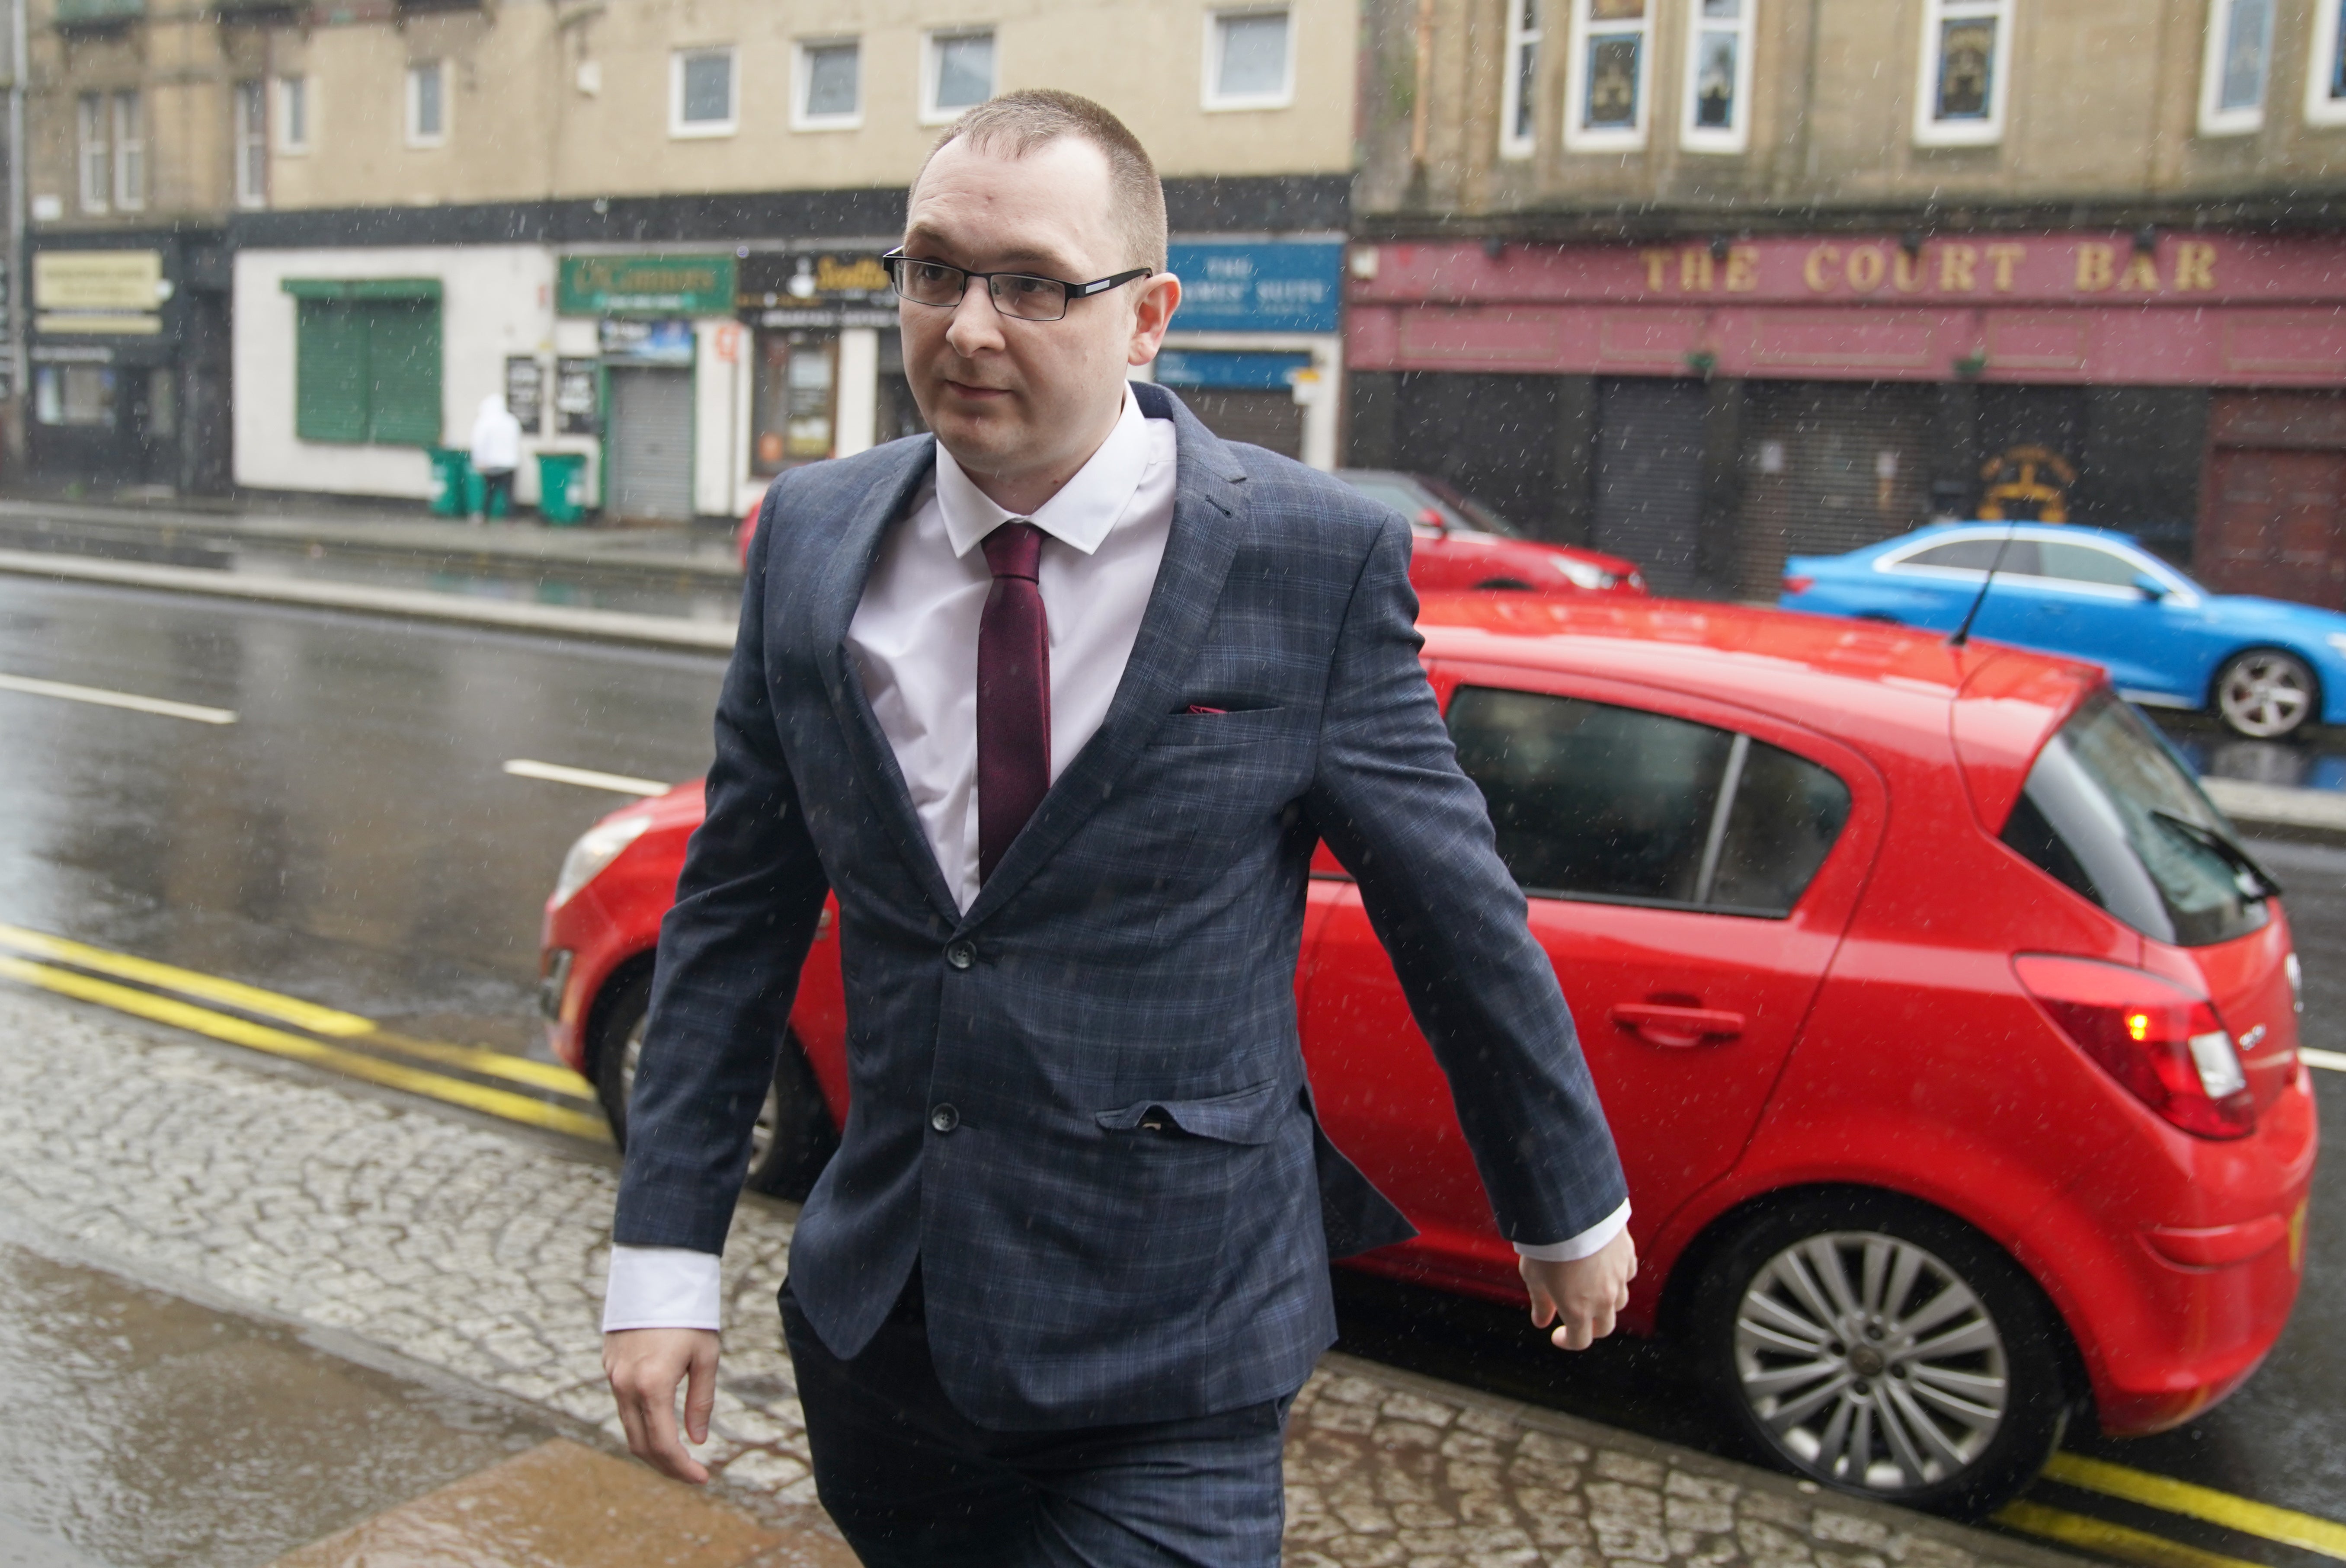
{"x":562,"y":488}
{"x":451,"y":474}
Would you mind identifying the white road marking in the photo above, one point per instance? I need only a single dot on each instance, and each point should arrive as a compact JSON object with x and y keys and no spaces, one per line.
{"x":585,"y":778}
{"x":2328,"y":1061}
{"x":104,"y":698}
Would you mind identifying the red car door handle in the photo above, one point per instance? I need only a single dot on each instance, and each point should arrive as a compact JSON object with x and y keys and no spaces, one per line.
{"x":1679,"y":1027}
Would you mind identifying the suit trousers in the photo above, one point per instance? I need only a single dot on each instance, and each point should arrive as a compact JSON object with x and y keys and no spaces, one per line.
{"x":914,"y":1483}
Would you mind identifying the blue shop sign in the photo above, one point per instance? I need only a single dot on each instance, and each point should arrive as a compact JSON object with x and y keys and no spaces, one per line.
{"x":1232,"y":371}
{"x":1266,"y":286}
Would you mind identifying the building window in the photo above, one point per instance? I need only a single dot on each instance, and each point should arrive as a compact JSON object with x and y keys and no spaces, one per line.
{"x":427,"y":103}
{"x":2325,"y":75}
{"x":1966,"y":57}
{"x":74,"y":394}
{"x":293,"y":114}
{"x":2233,"y":71}
{"x":130,"y":152}
{"x":957,"y":73}
{"x":95,"y":158}
{"x":366,"y":361}
{"x":701,"y":93}
{"x":797,"y":399}
{"x":1718,"y":76}
{"x":829,"y":86}
{"x":1519,"y":97}
{"x":1612,"y":68}
{"x":251,"y":111}
{"x":1250,"y":59}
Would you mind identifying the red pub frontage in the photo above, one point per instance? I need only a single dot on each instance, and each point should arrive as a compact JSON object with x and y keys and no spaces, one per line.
{"x":1714,"y":405}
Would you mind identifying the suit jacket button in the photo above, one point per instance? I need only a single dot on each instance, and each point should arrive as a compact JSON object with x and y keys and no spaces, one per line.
{"x":961,"y":954}
{"x":944,"y":1118}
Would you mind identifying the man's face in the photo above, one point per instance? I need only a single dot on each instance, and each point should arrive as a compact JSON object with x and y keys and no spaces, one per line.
{"x":1012,"y":399}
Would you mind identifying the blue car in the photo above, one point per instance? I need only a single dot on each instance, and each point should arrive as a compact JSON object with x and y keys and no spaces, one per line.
{"x":2265,"y":666}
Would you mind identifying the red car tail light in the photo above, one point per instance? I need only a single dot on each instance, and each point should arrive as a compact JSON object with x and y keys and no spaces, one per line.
{"x":1798,"y":585}
{"x":2164,"y":1043}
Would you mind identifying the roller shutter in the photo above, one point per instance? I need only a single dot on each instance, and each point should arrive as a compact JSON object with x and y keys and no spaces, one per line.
{"x":651,"y":443}
{"x":403,"y":371}
{"x":1648,"y":499}
{"x":367,"y":359}
{"x":329,"y":370}
{"x":1828,"y":466}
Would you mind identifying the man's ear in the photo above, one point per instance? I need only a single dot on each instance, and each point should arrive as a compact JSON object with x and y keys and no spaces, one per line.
{"x":1158,"y":297}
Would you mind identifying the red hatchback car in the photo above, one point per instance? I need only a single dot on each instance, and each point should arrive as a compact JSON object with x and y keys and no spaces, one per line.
{"x":1948,"y":1033}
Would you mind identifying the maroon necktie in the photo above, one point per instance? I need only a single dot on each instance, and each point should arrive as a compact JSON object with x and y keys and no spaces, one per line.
{"x":1014,"y":694}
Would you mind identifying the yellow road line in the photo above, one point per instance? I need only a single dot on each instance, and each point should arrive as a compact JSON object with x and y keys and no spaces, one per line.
{"x":501,"y":1102}
{"x":294,"y":1011}
{"x":2111,"y":1539}
{"x":187,"y":983}
{"x":102,"y":698}
{"x":495,"y":1063}
{"x":2286,"y":1525}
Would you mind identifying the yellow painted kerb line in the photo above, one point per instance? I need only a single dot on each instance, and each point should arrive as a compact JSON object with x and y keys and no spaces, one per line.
{"x":292,"y":1010}
{"x":2111,"y":1539}
{"x":203,"y":1021}
{"x":2286,"y":1525}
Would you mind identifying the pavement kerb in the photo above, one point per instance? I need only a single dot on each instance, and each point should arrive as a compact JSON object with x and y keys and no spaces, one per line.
{"x":633,"y":552}
{"x":1988,"y":1546}
{"x":550,"y":620}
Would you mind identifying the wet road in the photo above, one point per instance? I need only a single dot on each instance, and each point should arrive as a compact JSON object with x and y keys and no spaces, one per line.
{"x":351,"y":840}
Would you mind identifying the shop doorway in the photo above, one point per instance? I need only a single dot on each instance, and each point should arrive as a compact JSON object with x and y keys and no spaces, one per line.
{"x":1266,"y":419}
{"x":1649,"y":488}
{"x":651,"y":443}
{"x":796,"y":406}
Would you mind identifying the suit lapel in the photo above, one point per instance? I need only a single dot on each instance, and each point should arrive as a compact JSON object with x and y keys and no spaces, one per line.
{"x":832,"y":606}
{"x":1208,"y":495}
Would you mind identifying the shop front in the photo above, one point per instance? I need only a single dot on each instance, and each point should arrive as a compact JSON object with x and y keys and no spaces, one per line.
{"x":1256,"y":345}
{"x":825,"y":372}
{"x":129,"y":352}
{"x":1708,"y":408}
{"x":646,"y":358}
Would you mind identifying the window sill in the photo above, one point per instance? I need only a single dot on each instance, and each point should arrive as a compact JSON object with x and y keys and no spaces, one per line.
{"x":711,"y":132}
{"x":828,"y":123}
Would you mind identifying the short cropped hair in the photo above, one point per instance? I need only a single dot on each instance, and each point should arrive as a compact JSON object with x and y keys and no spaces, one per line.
{"x":1019,"y":123}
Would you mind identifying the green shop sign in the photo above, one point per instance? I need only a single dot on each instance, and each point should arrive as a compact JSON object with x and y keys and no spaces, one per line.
{"x":646,"y":286}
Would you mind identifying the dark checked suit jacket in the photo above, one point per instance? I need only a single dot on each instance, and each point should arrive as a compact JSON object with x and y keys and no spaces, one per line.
{"x":1131,"y":1215}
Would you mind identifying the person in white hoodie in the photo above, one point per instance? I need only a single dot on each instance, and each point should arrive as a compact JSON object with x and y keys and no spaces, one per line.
{"x":497,"y":452}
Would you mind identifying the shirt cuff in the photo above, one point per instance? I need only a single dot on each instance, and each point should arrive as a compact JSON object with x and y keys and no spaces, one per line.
{"x":1588,"y":1244}
{"x":661,"y":1288}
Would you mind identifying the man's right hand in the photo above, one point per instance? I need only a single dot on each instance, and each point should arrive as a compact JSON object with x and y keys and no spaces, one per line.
{"x":645,"y":1365}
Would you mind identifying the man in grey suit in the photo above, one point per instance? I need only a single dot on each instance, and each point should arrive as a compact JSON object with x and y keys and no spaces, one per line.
{"x":1057,"y":704}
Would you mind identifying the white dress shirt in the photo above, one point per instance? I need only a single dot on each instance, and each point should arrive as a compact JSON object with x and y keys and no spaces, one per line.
{"x":914,"y":642}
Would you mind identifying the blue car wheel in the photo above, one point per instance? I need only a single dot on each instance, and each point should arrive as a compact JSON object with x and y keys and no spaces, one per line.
{"x":2266,"y":694}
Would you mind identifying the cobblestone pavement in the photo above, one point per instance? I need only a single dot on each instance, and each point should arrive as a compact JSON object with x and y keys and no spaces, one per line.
{"x":482,"y":1253}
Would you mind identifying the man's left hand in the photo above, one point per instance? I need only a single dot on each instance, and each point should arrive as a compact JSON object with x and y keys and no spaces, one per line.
{"x":1581,"y":1298}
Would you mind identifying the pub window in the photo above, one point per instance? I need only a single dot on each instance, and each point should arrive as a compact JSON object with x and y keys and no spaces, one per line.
{"x":293,"y":114}
{"x":701,"y":93}
{"x":130,"y":152}
{"x":74,"y":394}
{"x":2325,"y":77}
{"x":830,"y":85}
{"x":957,"y":73}
{"x":1250,"y":59}
{"x":251,"y":138}
{"x":2232,"y":73}
{"x":1966,"y":58}
{"x":1718,"y":76}
{"x":95,"y":158}
{"x":367,"y":361}
{"x":1519,"y":101}
{"x":1611,"y":75}
{"x":427,"y":103}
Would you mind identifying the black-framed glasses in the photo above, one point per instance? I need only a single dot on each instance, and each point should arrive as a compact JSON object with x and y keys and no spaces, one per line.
{"x":1021,"y":295}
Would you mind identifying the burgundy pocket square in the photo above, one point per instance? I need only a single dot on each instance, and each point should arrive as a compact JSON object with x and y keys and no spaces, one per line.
{"x":1195,"y":709}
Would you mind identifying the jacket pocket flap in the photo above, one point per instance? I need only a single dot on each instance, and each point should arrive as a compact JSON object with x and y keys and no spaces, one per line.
{"x":1248,"y":1116}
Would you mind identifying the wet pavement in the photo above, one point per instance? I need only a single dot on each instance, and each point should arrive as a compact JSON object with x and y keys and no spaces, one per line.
{"x":351,"y":840}
{"x":478,"y":1254}
{"x":145,"y":1429}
